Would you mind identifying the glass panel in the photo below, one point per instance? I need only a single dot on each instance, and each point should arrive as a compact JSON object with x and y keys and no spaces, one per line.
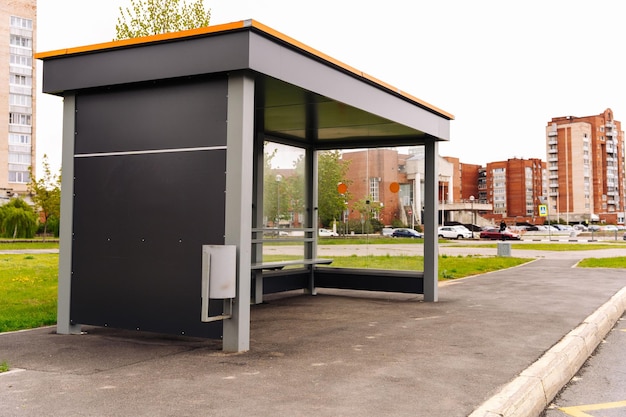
{"x":284,"y":221}
{"x":364,"y":195}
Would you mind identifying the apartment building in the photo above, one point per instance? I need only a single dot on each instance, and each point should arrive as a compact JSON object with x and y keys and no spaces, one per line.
{"x":17,"y":95}
{"x":586,"y":174}
{"x":515,"y":188}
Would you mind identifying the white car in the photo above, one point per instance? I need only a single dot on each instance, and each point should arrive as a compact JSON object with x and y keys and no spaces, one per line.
{"x":327,"y":233}
{"x":454,"y":232}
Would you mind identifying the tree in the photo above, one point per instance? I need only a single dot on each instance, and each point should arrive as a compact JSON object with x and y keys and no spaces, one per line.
{"x":369,"y":211}
{"x":153,"y":17}
{"x":46,"y":194}
{"x":332,"y":170}
{"x":17,"y":219}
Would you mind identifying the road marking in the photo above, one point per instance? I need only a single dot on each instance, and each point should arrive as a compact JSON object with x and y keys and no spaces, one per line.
{"x":579,"y":411}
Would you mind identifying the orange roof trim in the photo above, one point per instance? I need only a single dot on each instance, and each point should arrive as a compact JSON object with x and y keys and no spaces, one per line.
{"x":225,"y":28}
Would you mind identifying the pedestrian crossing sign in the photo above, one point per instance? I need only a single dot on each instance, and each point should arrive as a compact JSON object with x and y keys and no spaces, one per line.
{"x":543,"y":210}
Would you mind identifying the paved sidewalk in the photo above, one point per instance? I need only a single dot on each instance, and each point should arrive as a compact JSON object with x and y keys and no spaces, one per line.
{"x":339,"y":353}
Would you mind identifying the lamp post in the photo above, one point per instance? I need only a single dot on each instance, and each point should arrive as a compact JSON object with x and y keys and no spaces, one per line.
{"x":278,"y":180}
{"x":473,"y":215}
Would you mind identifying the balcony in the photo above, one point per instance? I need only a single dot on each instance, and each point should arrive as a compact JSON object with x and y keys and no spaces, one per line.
{"x":552,"y":141}
{"x":553,"y":159}
{"x":552,"y":133}
{"x":610,"y":125}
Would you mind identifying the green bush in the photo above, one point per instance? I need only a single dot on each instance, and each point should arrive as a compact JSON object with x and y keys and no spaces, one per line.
{"x":396,"y":223}
{"x":53,"y":227}
{"x":17,"y":219}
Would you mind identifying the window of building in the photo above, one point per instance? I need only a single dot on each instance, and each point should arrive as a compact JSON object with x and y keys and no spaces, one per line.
{"x":20,"y":119}
{"x":22,"y":80}
{"x":21,"y":41}
{"x":20,"y":100}
{"x":374,"y":188}
{"x":19,"y":158}
{"x":21,"y":177}
{"x":21,"y":60}
{"x":22,"y":23}
{"x":19,"y":139}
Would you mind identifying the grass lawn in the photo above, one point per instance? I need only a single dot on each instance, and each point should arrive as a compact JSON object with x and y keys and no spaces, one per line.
{"x":28,"y":245}
{"x":617,"y":262}
{"x":28,"y":291}
{"x":449,"y":267}
{"x":28,"y":283}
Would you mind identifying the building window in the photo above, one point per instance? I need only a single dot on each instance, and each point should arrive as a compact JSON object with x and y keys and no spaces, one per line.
{"x":22,"y":177}
{"x":20,"y":119}
{"x":21,"y":41}
{"x":19,"y":158}
{"x":22,"y":80}
{"x":19,"y":139}
{"x":20,"y":22}
{"x":22,"y":60}
{"x":20,"y":100}
{"x":374,"y":189}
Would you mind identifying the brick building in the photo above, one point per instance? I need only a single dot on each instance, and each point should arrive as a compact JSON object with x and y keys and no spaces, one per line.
{"x":515,"y":187}
{"x":371,"y":172}
{"x":587,"y":178}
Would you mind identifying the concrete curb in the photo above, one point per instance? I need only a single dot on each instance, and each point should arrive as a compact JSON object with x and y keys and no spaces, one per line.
{"x":533,"y":390}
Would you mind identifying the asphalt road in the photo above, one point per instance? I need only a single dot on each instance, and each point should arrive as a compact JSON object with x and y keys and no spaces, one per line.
{"x":599,"y":387}
{"x":462,"y":248}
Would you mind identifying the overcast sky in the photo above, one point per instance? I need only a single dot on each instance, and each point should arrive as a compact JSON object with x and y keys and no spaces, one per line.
{"x":502,"y":68}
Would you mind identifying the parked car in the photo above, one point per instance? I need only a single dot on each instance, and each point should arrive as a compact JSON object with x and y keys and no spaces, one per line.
{"x":624,"y":236}
{"x":406,"y":233}
{"x":495,"y":234}
{"x":454,"y":232}
{"x":580,"y":227}
{"x":564,"y":227}
{"x":610,"y":228}
{"x":594,"y":228}
{"x":386,"y":231}
{"x":327,"y":233}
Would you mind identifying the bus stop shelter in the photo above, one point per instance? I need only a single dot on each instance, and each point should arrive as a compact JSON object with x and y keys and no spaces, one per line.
{"x":161,"y":223}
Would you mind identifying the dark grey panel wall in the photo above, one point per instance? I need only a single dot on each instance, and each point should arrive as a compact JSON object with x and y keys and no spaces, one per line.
{"x":168,"y":116}
{"x":189,"y":57}
{"x":370,"y":280}
{"x":140,"y":220}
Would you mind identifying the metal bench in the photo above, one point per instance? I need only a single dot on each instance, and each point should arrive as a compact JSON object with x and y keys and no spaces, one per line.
{"x":273,"y":266}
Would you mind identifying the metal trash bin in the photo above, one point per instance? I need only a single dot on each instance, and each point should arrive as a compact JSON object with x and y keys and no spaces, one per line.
{"x":504,"y":249}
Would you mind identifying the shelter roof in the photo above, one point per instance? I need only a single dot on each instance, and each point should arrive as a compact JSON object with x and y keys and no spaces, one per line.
{"x":303,"y":95}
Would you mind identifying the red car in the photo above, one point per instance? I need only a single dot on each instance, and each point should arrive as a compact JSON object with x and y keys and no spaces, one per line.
{"x":495,"y":234}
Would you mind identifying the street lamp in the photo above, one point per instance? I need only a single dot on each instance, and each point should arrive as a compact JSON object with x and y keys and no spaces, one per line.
{"x":473,"y":215}
{"x":278,"y":180}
